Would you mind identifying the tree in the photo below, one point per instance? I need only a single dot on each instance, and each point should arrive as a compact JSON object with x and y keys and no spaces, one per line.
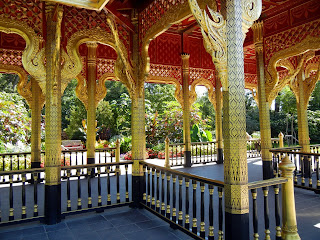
{"x":252,"y":114}
{"x":314,"y":103}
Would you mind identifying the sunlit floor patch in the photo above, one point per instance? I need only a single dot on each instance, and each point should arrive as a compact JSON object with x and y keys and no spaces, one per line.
{"x":317,"y":225}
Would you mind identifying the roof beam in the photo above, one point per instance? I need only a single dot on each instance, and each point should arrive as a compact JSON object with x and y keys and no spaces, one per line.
{"x":88,"y":4}
{"x":122,"y":19}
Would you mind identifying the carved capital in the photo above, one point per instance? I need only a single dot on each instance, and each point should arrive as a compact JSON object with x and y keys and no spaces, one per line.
{"x":92,"y":52}
{"x":185,"y":61}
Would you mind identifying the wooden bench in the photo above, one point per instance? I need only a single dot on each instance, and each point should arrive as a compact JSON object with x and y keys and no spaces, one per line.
{"x":71,"y":145}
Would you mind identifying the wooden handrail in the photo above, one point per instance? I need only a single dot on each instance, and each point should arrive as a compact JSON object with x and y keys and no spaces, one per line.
{"x":267,"y":182}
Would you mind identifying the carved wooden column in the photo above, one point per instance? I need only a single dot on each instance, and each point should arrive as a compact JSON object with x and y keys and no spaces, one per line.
{"x":186,"y":109}
{"x":138,"y":124}
{"x":91,"y":108}
{"x":264,"y":114}
{"x":54,"y":14}
{"x":36,"y":107}
{"x":234,"y":130}
{"x":219,"y":121}
{"x":303,"y":128}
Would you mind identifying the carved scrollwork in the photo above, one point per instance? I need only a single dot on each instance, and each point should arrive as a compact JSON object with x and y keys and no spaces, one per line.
{"x":251,"y":11}
{"x":273,"y":83}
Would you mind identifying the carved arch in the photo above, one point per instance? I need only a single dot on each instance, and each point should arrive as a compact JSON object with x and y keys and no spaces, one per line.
{"x":273,"y":83}
{"x":169,"y":80}
{"x":103,"y":37}
{"x":208,"y":84}
{"x":310,"y":68}
{"x":24,"y":86}
{"x":30,"y":55}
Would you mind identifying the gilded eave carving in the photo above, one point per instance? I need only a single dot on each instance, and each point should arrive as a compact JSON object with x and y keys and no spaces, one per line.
{"x":101,"y":36}
{"x":273,"y":83}
{"x":213,"y":28}
{"x":308,"y":84}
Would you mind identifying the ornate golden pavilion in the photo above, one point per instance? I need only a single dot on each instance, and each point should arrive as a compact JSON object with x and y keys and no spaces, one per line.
{"x":226,"y":46}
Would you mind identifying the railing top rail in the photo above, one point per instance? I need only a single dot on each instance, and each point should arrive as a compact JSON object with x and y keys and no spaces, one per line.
{"x":254,"y":140}
{"x":203,"y":142}
{"x":96,"y":165}
{"x":176,"y":144}
{"x":24,"y":171}
{"x":186,"y":175}
{"x":267,"y":182}
{"x":290,"y":152}
{"x":63,"y":151}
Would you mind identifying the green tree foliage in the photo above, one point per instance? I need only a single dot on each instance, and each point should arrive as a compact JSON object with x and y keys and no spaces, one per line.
{"x":252,"y":114}
{"x":207,"y":111}
{"x":314,"y":103}
{"x":9,"y":82}
{"x":15,"y":122}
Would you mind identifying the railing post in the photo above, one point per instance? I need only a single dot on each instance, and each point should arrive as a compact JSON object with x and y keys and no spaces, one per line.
{"x":289,"y":221}
{"x":166,"y":163}
{"x":117,"y":155}
{"x":281,"y":140}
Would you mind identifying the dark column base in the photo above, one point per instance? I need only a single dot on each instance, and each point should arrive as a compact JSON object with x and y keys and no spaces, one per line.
{"x":91,"y":161}
{"x":138,"y":188}
{"x":52,"y":207}
{"x":306,"y":165}
{"x":35,"y":164}
{"x":187,"y":159}
{"x":219,"y":156}
{"x":237,"y":226}
{"x":267,"y":169}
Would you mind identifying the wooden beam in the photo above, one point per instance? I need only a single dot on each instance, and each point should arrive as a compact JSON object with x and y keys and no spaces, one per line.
{"x":122,"y":19}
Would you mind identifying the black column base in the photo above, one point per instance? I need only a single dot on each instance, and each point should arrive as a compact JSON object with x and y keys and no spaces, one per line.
{"x":187,"y":159}
{"x":91,"y":161}
{"x":138,"y":188}
{"x":219,"y":156}
{"x":35,"y":164}
{"x":52,"y":206}
{"x":306,"y":165}
{"x":236,"y":226}
{"x":267,"y":169}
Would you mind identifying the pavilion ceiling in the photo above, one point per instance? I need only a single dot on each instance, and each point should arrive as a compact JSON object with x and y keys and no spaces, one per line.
{"x":285,"y":23}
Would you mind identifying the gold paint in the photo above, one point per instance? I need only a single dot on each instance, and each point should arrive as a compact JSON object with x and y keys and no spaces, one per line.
{"x":144,"y":197}
{"x":79,"y":201}
{"x":220,"y":233}
{"x":273,"y":83}
{"x":174,"y":212}
{"x":278,"y":231}
{"x":91,"y":90}
{"x":237,"y":202}
{"x":256,"y":236}
{"x":69,"y":203}
{"x":118,"y":196}
{"x":254,"y":195}
{"x":166,"y":163}
{"x":186,"y":102}
{"x":211,"y":233}
{"x":267,"y":234}
{"x":180,"y":215}
{"x":36,"y":106}
{"x":149,"y":198}
{"x":168,"y":209}
{"x":153,"y":201}
{"x":211,"y":191}
{"x":264,"y":114}
{"x":24,"y":210}
{"x":289,"y":222}
{"x":97,"y":5}
{"x":109,"y":198}
{"x":187,"y":217}
{"x":265,"y":192}
{"x":53,"y":95}
{"x":89,"y":200}
{"x":281,"y":145}
{"x":35,"y":207}
{"x":218,"y":117}
{"x":11,"y":212}
{"x":158,"y":204}
{"x":163,"y":207}
{"x":202,"y":227}
{"x":127,"y":195}
{"x":194,"y":222}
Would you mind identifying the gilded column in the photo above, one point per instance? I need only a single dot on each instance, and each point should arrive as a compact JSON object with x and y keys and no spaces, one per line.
{"x":219,"y":121}
{"x":54,"y":14}
{"x":35,"y":124}
{"x":138,"y":126}
{"x":303,"y":128}
{"x":91,"y":108}
{"x":264,"y":114}
{"x":186,"y":109}
{"x":234,"y":130}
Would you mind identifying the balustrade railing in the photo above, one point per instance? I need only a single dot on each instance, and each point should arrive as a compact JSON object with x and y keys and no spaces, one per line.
{"x":253,"y":148}
{"x":22,"y":160}
{"x":109,"y":188}
{"x":191,"y":203}
{"x":20,"y":200}
{"x":306,"y":172}
{"x":22,"y":195}
{"x":260,"y":190}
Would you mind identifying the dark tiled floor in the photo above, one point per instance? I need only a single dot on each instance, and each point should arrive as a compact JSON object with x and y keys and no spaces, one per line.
{"x":119,"y":223}
{"x":127,"y":223}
